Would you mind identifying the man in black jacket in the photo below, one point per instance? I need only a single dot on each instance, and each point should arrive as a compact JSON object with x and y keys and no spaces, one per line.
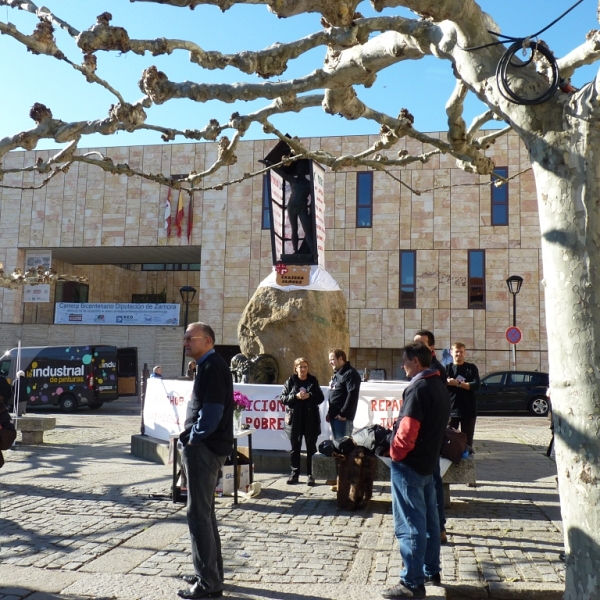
{"x":426,"y":337}
{"x":415,"y":451}
{"x":343,"y":394}
{"x":5,"y":420}
{"x":208,"y":441}
{"x":463,"y":382}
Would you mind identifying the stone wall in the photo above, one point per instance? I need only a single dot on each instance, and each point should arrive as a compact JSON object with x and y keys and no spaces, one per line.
{"x":87,"y":207}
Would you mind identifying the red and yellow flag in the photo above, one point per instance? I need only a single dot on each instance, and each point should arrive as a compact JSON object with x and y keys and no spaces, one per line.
{"x":179,"y":213}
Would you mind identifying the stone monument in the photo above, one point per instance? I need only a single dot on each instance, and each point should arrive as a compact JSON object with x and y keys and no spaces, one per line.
{"x":299,"y":310}
{"x":290,"y":324}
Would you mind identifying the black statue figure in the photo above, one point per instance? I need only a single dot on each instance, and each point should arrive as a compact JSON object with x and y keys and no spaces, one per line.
{"x":297,"y":208}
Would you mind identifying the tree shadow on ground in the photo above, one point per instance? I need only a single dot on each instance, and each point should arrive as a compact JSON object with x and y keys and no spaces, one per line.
{"x":235,"y":592}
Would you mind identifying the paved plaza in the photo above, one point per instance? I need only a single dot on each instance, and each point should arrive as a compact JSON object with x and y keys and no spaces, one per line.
{"x":81,"y":518}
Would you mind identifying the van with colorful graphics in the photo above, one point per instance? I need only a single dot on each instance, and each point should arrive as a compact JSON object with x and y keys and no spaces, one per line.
{"x":72,"y":376}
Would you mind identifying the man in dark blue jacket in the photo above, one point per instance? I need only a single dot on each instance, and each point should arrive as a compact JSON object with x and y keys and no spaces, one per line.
{"x":208,"y":441}
{"x":415,"y":451}
{"x":343,"y":394}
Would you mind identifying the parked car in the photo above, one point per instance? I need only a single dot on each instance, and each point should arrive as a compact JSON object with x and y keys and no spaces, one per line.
{"x":514,"y":390}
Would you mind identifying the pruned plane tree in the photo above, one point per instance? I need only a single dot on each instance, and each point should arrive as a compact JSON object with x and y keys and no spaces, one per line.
{"x":521,"y":85}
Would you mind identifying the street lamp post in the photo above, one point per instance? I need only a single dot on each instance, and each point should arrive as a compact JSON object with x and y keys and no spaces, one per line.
{"x":514,"y":283}
{"x":187,"y":293}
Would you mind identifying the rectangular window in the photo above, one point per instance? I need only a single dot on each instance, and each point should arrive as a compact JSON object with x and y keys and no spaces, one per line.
{"x":71,"y":291}
{"x":364,"y":199}
{"x":477,"y":279}
{"x":500,"y":198}
{"x":408,"y":279}
{"x":266,"y":212}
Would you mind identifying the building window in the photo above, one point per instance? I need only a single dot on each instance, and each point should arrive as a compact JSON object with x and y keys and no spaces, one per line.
{"x":408,"y":279}
{"x":71,"y":291}
{"x":266,"y":212}
{"x":500,"y":198}
{"x":476,"y":279}
{"x":364,"y":199}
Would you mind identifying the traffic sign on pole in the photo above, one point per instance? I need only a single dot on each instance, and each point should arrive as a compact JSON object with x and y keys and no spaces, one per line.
{"x":513,"y":335}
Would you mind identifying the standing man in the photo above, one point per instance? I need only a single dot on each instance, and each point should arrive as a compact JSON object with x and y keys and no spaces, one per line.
{"x":208,"y":441}
{"x":426,"y":337}
{"x":343,"y":396}
{"x":415,"y":450}
{"x":463,"y":382}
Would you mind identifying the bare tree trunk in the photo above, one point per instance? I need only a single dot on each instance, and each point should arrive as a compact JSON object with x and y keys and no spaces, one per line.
{"x":566,"y":170}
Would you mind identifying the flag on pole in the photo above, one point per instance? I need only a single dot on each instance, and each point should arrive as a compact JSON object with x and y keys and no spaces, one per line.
{"x":168,"y":214}
{"x":190,"y":217}
{"x":179,"y":213}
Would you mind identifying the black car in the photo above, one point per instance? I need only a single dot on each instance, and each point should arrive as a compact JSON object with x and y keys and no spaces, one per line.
{"x":514,"y":390}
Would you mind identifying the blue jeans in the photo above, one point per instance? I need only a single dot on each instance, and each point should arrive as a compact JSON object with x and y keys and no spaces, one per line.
{"x":439,"y":494}
{"x":341,"y":429}
{"x":416,"y":523}
{"x":202,"y":471}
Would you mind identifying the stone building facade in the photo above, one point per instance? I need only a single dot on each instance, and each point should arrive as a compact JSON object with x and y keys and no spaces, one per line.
{"x":437,"y":219}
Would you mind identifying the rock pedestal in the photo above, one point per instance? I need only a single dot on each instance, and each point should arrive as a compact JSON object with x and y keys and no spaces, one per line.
{"x":291,"y":324}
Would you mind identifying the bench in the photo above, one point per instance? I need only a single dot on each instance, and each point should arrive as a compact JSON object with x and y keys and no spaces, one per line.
{"x":32,"y":428}
{"x":464,"y":473}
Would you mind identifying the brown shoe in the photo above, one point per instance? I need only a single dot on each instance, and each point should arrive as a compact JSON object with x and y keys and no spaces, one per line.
{"x":334,"y":488}
{"x":443,"y":537}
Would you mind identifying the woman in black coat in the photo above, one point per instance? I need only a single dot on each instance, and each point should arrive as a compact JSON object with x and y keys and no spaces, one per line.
{"x":301,"y":397}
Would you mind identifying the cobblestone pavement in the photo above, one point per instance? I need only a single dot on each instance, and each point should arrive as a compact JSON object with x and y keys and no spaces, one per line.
{"x":82,"y":518}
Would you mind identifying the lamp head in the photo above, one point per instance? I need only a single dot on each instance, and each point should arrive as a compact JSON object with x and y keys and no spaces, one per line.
{"x":187,"y":293}
{"x":514,"y":283}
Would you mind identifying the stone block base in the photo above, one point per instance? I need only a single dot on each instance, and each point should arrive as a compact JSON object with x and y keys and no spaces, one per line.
{"x":32,"y":428}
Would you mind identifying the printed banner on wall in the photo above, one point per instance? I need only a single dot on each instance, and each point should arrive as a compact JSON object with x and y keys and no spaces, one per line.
{"x":33,"y":260}
{"x":277,"y":211}
{"x":166,"y":403}
{"x":36,"y":293}
{"x":92,"y":313}
{"x":319,"y":204}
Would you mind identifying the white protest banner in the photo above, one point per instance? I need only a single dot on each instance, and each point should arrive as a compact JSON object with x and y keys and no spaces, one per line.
{"x":166,"y":403}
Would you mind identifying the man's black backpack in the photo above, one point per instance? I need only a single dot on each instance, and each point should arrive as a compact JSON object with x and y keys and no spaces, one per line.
{"x":342,"y":447}
{"x":375,"y":438}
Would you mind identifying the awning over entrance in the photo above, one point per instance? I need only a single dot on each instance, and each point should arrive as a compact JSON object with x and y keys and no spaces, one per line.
{"x":126,"y":255}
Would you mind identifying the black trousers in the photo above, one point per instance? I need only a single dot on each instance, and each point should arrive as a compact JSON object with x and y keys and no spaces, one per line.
{"x":467,"y":426}
{"x":311,"y":448}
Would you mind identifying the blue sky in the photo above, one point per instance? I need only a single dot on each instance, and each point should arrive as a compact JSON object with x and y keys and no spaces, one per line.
{"x":420,"y":86}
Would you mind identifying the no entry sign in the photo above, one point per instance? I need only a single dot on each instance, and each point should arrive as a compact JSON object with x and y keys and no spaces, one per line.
{"x":513,"y":335}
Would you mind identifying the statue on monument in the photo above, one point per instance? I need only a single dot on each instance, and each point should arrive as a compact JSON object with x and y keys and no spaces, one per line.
{"x":300,"y":318}
{"x":298,"y":210}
